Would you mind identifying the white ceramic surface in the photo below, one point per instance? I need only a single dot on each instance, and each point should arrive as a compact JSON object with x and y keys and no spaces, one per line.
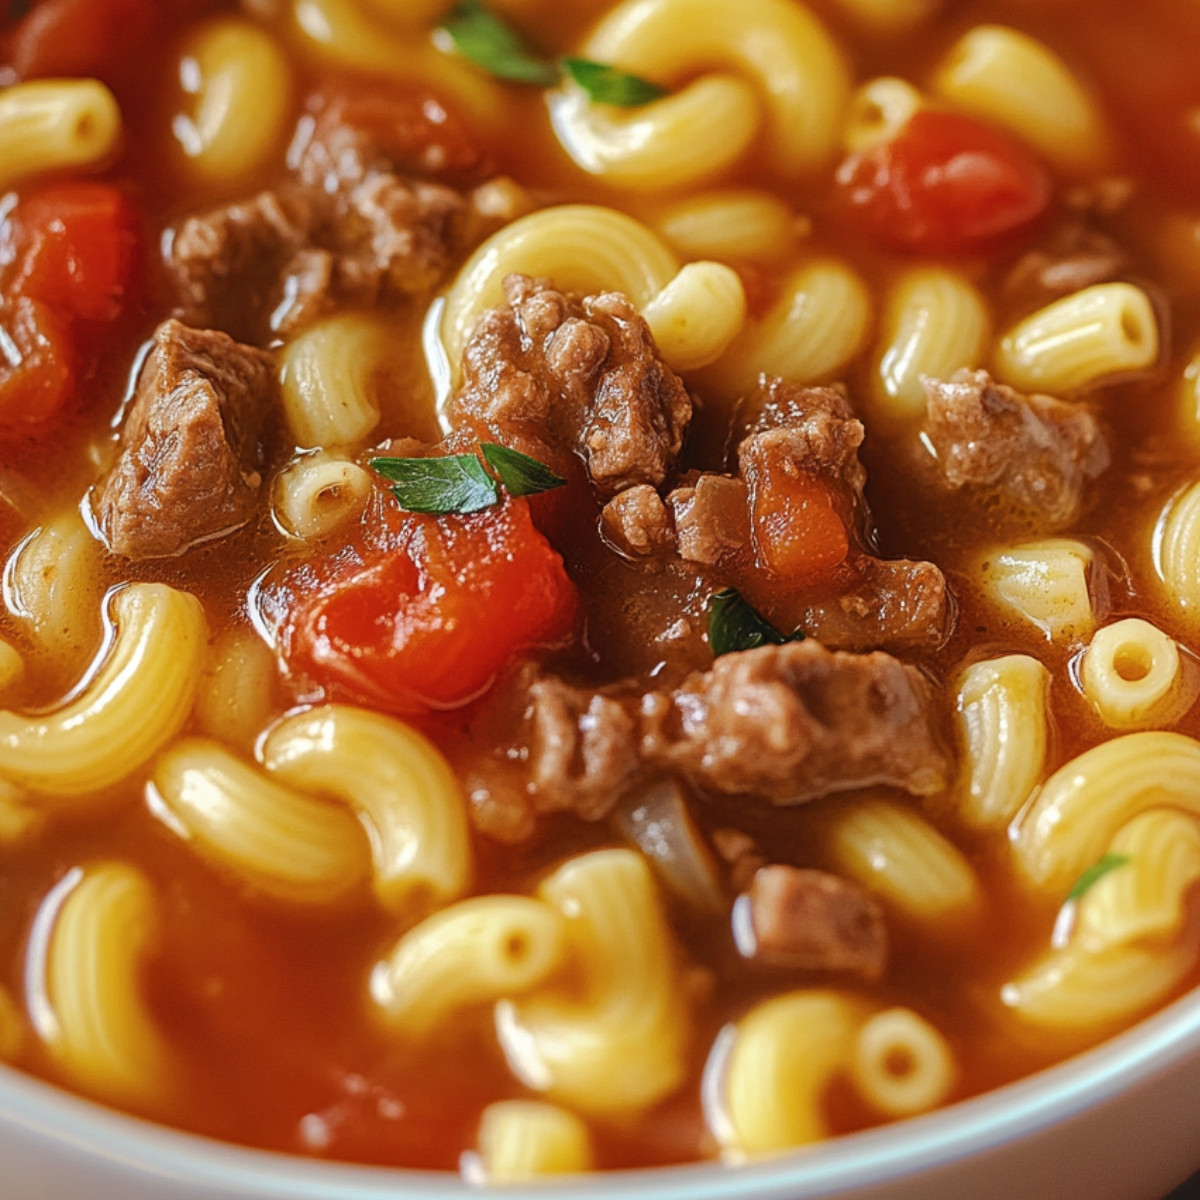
{"x":1119,"y":1123}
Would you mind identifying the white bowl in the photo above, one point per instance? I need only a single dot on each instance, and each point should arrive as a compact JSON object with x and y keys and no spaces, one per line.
{"x":1121,"y":1122}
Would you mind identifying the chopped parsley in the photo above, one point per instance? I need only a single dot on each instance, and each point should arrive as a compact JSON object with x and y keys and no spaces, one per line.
{"x":734,"y":624}
{"x":461,"y":483}
{"x":1095,"y":873}
{"x":488,"y":41}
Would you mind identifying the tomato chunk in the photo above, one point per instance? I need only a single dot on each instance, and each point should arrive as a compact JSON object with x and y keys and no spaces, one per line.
{"x":37,"y":374}
{"x":76,"y":246}
{"x":429,"y":624}
{"x":799,"y":535}
{"x":946,"y":183}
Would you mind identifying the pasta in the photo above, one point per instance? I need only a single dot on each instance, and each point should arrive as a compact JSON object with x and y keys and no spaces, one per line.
{"x":400,"y":784}
{"x":800,"y":88}
{"x":319,"y":493}
{"x":93,"y":935}
{"x":1176,"y":536}
{"x":524,"y":1140}
{"x":879,"y":110}
{"x":731,"y":223}
{"x":618,"y":1043}
{"x":136,"y":698}
{"x":596,"y":249}
{"x":1081,"y":806}
{"x":934,"y":322}
{"x":1001,"y":717}
{"x":1046,"y":584}
{"x":907,"y":862}
{"x":474,"y":952}
{"x":1083,"y":339}
{"x":56,"y":124}
{"x":1015,"y":80}
{"x":901,"y":1064}
{"x":774,"y":1072}
{"x":226,"y":68}
{"x":821,"y":320}
{"x":287,"y":845}
{"x":329,"y":378}
{"x":1133,"y":675}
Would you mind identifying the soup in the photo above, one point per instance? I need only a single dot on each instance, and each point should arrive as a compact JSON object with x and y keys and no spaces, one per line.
{"x":593,"y":586}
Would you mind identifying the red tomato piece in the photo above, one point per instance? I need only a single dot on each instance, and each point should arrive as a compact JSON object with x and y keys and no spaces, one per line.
{"x":76,"y":246}
{"x":946,"y":183}
{"x":798,"y":533}
{"x":80,"y":37}
{"x":428,"y":625}
{"x":37,"y":373}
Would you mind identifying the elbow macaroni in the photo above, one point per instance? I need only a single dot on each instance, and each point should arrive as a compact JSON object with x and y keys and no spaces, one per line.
{"x":399,"y":784}
{"x":800,"y":84}
{"x":616,"y":1043}
{"x":1002,"y":724}
{"x":521,"y":1141}
{"x":475,"y":952}
{"x":56,"y":124}
{"x":1132,"y":674}
{"x":136,"y":698}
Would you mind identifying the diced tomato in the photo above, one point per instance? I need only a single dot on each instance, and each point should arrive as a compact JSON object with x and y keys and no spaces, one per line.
{"x":80,"y":37}
{"x":37,"y":373}
{"x":946,"y":183}
{"x":429,"y":624}
{"x":76,"y":246}
{"x":798,"y":532}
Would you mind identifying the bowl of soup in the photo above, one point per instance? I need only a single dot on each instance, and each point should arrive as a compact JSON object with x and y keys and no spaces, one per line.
{"x":599,"y":597}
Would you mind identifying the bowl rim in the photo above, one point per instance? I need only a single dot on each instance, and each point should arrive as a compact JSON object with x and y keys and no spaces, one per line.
{"x":49,"y":1116}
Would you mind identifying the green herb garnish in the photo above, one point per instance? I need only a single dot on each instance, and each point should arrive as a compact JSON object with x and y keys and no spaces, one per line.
{"x":604,"y":84}
{"x":491,"y":43}
{"x":520,"y":474}
{"x":460,"y":483}
{"x":1096,"y":872}
{"x":488,"y":42}
{"x":733,"y":624}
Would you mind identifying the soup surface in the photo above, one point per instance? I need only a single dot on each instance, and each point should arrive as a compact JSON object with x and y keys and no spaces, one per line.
{"x":593,"y":585}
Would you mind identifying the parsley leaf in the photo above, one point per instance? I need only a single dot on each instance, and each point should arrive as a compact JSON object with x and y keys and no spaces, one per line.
{"x":460,"y":483}
{"x":733,"y":624}
{"x":456,"y":483}
{"x":604,"y":84}
{"x":482,"y":37}
{"x":1095,"y":873}
{"x":520,"y":474}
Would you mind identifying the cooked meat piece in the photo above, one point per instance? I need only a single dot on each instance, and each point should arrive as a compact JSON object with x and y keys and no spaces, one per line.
{"x":636,"y":522}
{"x":307,"y":290}
{"x":1076,"y":258}
{"x":802,"y":918}
{"x":224,"y":262}
{"x":892,"y":603}
{"x":584,"y":373}
{"x":188,"y":464}
{"x":813,"y":426}
{"x":356,"y":131}
{"x":797,"y":721}
{"x":711,"y":519}
{"x":395,"y":237}
{"x":1037,"y":451}
{"x":584,"y":751}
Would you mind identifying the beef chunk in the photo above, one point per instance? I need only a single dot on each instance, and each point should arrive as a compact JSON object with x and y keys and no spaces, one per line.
{"x":636,"y":522}
{"x":1075,"y":258}
{"x":711,"y":519}
{"x":584,"y":752}
{"x":188,"y":463}
{"x":798,"y":721}
{"x":1037,"y":451}
{"x":814,"y":427}
{"x":801,"y":918}
{"x":893,"y":603}
{"x":225,"y":261}
{"x":583,"y":373}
